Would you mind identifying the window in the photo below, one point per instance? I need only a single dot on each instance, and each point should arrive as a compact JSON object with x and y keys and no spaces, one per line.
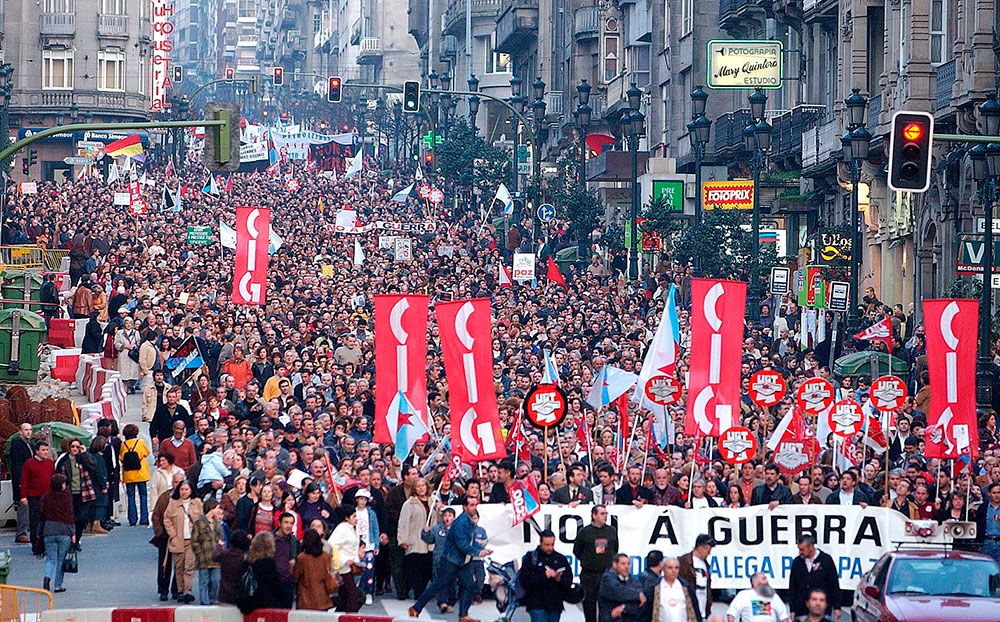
{"x":144,"y":77}
{"x":60,"y":6}
{"x":638,"y":64}
{"x":247,"y":8}
{"x":666,"y":24}
{"x":317,"y":22}
{"x":939,"y":32}
{"x":113,"y":7}
{"x":495,"y":61}
{"x":111,"y":71}
{"x":687,"y":17}
{"x":612,"y":58}
{"x":57,"y":69}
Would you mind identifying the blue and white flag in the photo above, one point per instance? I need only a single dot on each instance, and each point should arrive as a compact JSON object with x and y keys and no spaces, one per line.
{"x":406,"y":424}
{"x":403,"y":195}
{"x":610,"y":383}
{"x":550,"y":375}
{"x":355,"y":165}
{"x":503,"y":195}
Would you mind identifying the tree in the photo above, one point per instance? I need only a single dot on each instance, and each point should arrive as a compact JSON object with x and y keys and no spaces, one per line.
{"x":468,"y":163}
{"x":722,"y":247}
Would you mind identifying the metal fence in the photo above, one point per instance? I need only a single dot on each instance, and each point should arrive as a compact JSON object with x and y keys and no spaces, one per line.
{"x":23,"y":604}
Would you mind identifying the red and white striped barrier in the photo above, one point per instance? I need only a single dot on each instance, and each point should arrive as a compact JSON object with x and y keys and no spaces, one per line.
{"x":209,"y":614}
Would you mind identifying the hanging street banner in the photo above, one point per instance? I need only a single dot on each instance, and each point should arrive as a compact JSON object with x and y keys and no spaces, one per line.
{"x":751,"y":539}
{"x":737,"y":194}
{"x":672,"y":193}
{"x":744,"y":64}
{"x":199,"y":235}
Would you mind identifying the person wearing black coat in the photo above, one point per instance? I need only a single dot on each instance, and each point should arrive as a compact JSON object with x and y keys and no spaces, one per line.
{"x":620,"y":593}
{"x":20,"y":452}
{"x":812,"y":570}
{"x":232,"y":564}
{"x":545,"y":575}
{"x":92,"y":336}
{"x":269,"y":593}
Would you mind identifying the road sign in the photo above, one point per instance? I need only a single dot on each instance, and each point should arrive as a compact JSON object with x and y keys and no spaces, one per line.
{"x":546,"y":212}
{"x":970,"y":254}
{"x":837,"y":297}
{"x":78,"y":160}
{"x":779,"y":280}
{"x":523,"y":160}
{"x":744,"y":64}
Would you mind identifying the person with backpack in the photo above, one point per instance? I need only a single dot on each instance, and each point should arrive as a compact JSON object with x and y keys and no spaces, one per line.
{"x":133,"y":455}
{"x":543,"y":581}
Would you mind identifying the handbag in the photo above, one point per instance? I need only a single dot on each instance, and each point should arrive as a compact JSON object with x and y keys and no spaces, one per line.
{"x":70,"y":563}
{"x":134,"y":354}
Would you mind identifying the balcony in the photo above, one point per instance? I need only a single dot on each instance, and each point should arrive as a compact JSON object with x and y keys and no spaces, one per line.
{"x":517,"y":26}
{"x":820,"y":148}
{"x":454,"y":15}
{"x":369,"y":52}
{"x":553,"y":103}
{"x":728,"y":132}
{"x":99,"y":103}
{"x":734,"y":15}
{"x":145,"y":30}
{"x":587,"y":23}
{"x":874,"y":112}
{"x":58,"y":24}
{"x":112,"y":26}
{"x":322,"y":37}
{"x":787,"y":130}
{"x":820,"y":11}
{"x":944,"y":81}
{"x":416,"y":22}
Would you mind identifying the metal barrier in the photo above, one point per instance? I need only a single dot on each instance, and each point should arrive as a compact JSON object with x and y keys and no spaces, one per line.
{"x":31,"y":256}
{"x":23,"y":604}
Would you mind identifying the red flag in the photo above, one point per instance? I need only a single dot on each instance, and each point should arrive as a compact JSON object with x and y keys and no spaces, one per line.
{"x":467,"y":348}
{"x":400,"y":358}
{"x":713,"y":404}
{"x":523,"y":499}
{"x":623,"y":429}
{"x":952,"y":332}
{"x":583,"y":433}
{"x":253,"y":229}
{"x":505,"y":278}
{"x":554,"y":275}
{"x":229,"y":183}
{"x":880,"y":331}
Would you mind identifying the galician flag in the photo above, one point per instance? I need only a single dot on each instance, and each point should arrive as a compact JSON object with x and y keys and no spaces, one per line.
{"x":550,"y":374}
{"x":407,"y":424}
{"x":503,"y":195}
{"x":212,"y":187}
{"x":355,"y":165}
{"x":661,"y":357}
{"x":610,"y":384}
{"x":359,"y":254}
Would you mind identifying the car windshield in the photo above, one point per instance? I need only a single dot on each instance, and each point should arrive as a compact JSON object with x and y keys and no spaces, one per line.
{"x":944,"y":577}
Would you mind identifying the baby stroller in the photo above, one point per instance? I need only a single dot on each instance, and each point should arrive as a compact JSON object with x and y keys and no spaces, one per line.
{"x":503,"y":582}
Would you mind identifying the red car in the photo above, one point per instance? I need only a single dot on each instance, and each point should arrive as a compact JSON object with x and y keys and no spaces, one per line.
{"x":930,"y":585}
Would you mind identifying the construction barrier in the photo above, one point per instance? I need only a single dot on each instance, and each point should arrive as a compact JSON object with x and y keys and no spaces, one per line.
{"x":208,"y":614}
{"x":23,"y":604}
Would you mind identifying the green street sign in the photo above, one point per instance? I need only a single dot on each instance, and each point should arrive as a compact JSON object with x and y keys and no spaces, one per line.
{"x":199,"y":235}
{"x":671,"y":191}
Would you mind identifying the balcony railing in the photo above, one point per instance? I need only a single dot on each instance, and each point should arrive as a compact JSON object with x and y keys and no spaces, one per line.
{"x":820,"y":143}
{"x":787,"y":128}
{"x":454,"y":16}
{"x":587,"y":22}
{"x":729,"y":131}
{"x":369,"y":45}
{"x":113,"y":26}
{"x":517,"y":26}
{"x":874,"y":112}
{"x":553,"y":103}
{"x":57,"y":23}
{"x":944,"y":81}
{"x":369,"y":51}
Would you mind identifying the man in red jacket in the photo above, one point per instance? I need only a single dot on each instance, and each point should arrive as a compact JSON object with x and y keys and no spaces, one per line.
{"x":180,"y":447}
{"x":35,"y":477}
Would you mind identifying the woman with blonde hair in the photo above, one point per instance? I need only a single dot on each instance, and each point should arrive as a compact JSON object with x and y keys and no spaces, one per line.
{"x":413,"y":517}
{"x":178,"y":520}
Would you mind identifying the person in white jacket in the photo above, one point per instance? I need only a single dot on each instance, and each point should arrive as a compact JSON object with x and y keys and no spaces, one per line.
{"x":163,"y":477}
{"x":347,"y":551}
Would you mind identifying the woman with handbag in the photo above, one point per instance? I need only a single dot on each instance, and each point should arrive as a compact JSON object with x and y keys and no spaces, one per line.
{"x":315,"y":582}
{"x":59,"y":530}
{"x":347,"y":550}
{"x":127,"y":342}
{"x":178,"y":521}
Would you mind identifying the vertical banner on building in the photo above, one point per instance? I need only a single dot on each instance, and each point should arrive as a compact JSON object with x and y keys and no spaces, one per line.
{"x":952,"y":336}
{"x":253,"y":229}
{"x":467,"y":349}
{"x":713,"y":402}
{"x":160,"y":59}
{"x":400,"y":357}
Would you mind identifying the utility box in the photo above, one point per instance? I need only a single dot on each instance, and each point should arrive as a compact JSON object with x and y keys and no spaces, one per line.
{"x":21,"y":285}
{"x":21,"y":333}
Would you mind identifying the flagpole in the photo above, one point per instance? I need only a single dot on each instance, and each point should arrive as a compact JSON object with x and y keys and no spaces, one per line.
{"x":631,"y":439}
{"x":545,"y":466}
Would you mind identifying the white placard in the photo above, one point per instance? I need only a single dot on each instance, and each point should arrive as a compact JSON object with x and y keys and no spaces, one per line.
{"x":524,"y":267}
{"x":403,"y":250}
{"x":122,"y":198}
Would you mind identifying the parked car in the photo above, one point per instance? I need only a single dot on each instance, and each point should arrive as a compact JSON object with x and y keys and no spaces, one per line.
{"x":929,"y":585}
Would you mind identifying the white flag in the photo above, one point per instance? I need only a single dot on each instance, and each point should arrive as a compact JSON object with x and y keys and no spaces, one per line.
{"x":359,"y":254}
{"x":227,"y":236}
{"x":113,"y":173}
{"x":503,"y":195}
{"x":355,"y":166}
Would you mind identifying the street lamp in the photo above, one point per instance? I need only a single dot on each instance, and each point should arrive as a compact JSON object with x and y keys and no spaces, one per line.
{"x":634,"y":126}
{"x":986,"y":170}
{"x":699,"y":131}
{"x":855,"y":145}
{"x":6,"y":90}
{"x":473,"y":101}
{"x":757,"y":140}
{"x":362,"y":107}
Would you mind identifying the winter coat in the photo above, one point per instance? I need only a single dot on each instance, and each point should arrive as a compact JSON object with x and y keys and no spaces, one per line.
{"x":173,"y":522}
{"x":314,"y":581}
{"x":205,"y":536}
{"x":412,"y":519}
{"x":128,"y":368}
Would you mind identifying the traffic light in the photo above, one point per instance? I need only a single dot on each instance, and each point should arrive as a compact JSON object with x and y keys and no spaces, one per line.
{"x":910,"y":151}
{"x":278,"y":77}
{"x":230,"y":73}
{"x":222,"y":143}
{"x":411,"y":96}
{"x":178,"y":73}
{"x":25,"y":169}
{"x":32,"y":157}
{"x":429,"y":160}
{"x":334,"y":90}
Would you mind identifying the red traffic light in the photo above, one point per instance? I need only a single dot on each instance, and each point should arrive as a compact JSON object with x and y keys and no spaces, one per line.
{"x":278,"y":78}
{"x":230,"y":73}
{"x":913,"y":131}
{"x":333,"y":90}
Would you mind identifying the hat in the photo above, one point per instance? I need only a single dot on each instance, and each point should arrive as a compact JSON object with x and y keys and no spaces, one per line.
{"x":122,"y":311}
{"x":363,"y":492}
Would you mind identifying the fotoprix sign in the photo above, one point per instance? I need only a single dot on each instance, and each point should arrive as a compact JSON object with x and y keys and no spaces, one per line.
{"x":744,"y":64}
{"x":749,"y":540}
{"x":727,"y":195}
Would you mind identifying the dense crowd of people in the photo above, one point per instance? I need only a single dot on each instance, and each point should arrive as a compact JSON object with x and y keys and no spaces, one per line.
{"x":269,"y":450}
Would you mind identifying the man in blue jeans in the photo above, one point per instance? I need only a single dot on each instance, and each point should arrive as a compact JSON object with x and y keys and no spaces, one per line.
{"x":988,"y":520}
{"x":546,"y":577}
{"x":460,"y":547}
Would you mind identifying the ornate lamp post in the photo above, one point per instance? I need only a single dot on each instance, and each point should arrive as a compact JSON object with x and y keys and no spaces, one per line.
{"x":855,"y":144}
{"x":635,"y":128}
{"x":583,"y":112}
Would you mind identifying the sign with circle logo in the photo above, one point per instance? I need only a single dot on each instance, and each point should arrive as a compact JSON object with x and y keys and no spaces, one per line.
{"x":814,"y":395}
{"x":663,"y":390}
{"x":888,"y":393}
{"x":737,"y":445}
{"x":545,"y":406}
{"x":846,"y":418}
{"x":767,"y":387}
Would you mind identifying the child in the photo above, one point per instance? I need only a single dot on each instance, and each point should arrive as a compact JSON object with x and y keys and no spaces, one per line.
{"x":436,"y":535}
{"x":206,"y":533}
{"x":368,"y":532}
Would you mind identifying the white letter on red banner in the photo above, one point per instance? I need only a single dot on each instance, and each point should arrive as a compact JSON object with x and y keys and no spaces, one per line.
{"x":713,"y":402}
{"x":400,"y":357}
{"x":253,"y":230}
{"x":952,"y":332}
{"x":467,"y":348}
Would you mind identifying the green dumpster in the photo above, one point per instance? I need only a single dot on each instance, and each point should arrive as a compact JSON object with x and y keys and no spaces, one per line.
{"x":868,"y":362}
{"x":6,"y":559}
{"x":21,"y":332}
{"x":21,"y":285}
